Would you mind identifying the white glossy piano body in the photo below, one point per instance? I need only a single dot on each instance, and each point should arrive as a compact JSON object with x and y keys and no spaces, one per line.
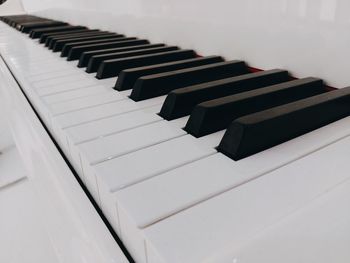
{"x":278,"y":205}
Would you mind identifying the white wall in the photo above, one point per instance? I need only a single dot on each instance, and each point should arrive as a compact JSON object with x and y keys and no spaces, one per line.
{"x":307,"y":37}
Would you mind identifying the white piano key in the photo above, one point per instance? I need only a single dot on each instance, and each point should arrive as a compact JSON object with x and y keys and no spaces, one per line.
{"x":48,"y":72}
{"x":62,"y":122}
{"x":97,"y":151}
{"x":38,"y":65}
{"x":122,"y":143}
{"x":155,"y":160}
{"x":104,"y":127}
{"x":110,"y":82}
{"x":146,"y":163}
{"x":52,"y":75}
{"x":27,"y":65}
{"x":85,"y":102}
{"x":74,"y":94}
{"x":103,"y":111}
{"x":100,"y":128}
{"x":43,"y":69}
{"x":234,"y":217}
{"x":66,"y":86}
{"x":56,"y":65}
{"x":59,"y":80}
{"x":319,"y":232}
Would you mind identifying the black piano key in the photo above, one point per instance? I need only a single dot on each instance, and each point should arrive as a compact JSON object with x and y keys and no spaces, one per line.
{"x":96,"y":60}
{"x":70,"y":34}
{"x":75,"y":33}
{"x":162,"y":83}
{"x":18,"y":21}
{"x":68,"y":47}
{"x":58,"y":46}
{"x":112,"y":68}
{"x":85,"y":57}
{"x":76,"y":51}
{"x":91,"y":44}
{"x":262,"y":130}
{"x":181,"y":102}
{"x":20,"y":24}
{"x":44,"y":35}
{"x":9,"y":18}
{"x":215,"y":115}
{"x":27,"y":27}
{"x":128,"y":77}
{"x":36,"y":33}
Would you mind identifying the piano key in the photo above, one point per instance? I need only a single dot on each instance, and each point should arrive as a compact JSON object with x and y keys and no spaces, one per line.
{"x":32,"y":57}
{"x":98,"y":151}
{"x":181,"y":102}
{"x":33,"y":67}
{"x":27,"y":27}
{"x":47,"y":70}
{"x":19,"y":23}
{"x":107,"y":181}
{"x":52,"y":75}
{"x":104,"y":111}
{"x":162,"y":83}
{"x":51,"y":40}
{"x":74,"y":94}
{"x":259,"y":131}
{"x":128,"y":77}
{"x":55,"y":81}
{"x":69,"y":34}
{"x":69,"y":46}
{"x":49,"y":90}
{"x":36,"y":33}
{"x":75,"y":52}
{"x":66,"y":38}
{"x":326,"y":216}
{"x":45,"y":36}
{"x":96,"y":60}
{"x":215,"y":115}
{"x":184,"y":150}
{"x":50,"y":66}
{"x":85,"y":57}
{"x":111,"y":125}
{"x":58,"y":46}
{"x":112,"y":68}
{"x":84,"y":102}
{"x":240,"y":214}
{"x":62,"y":122}
{"x":21,"y":19}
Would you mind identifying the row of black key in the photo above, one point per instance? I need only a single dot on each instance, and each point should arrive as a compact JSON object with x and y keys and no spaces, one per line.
{"x":259,"y":110}
{"x":26,"y":23}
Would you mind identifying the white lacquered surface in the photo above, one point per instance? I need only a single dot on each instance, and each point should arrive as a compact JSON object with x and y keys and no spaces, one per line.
{"x":72,"y":230}
{"x":303,"y":234}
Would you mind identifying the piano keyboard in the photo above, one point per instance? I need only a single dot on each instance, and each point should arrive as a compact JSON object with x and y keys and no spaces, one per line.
{"x":189,"y":157}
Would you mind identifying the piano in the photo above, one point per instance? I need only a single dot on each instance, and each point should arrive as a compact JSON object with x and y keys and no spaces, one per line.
{"x":183,"y":131}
